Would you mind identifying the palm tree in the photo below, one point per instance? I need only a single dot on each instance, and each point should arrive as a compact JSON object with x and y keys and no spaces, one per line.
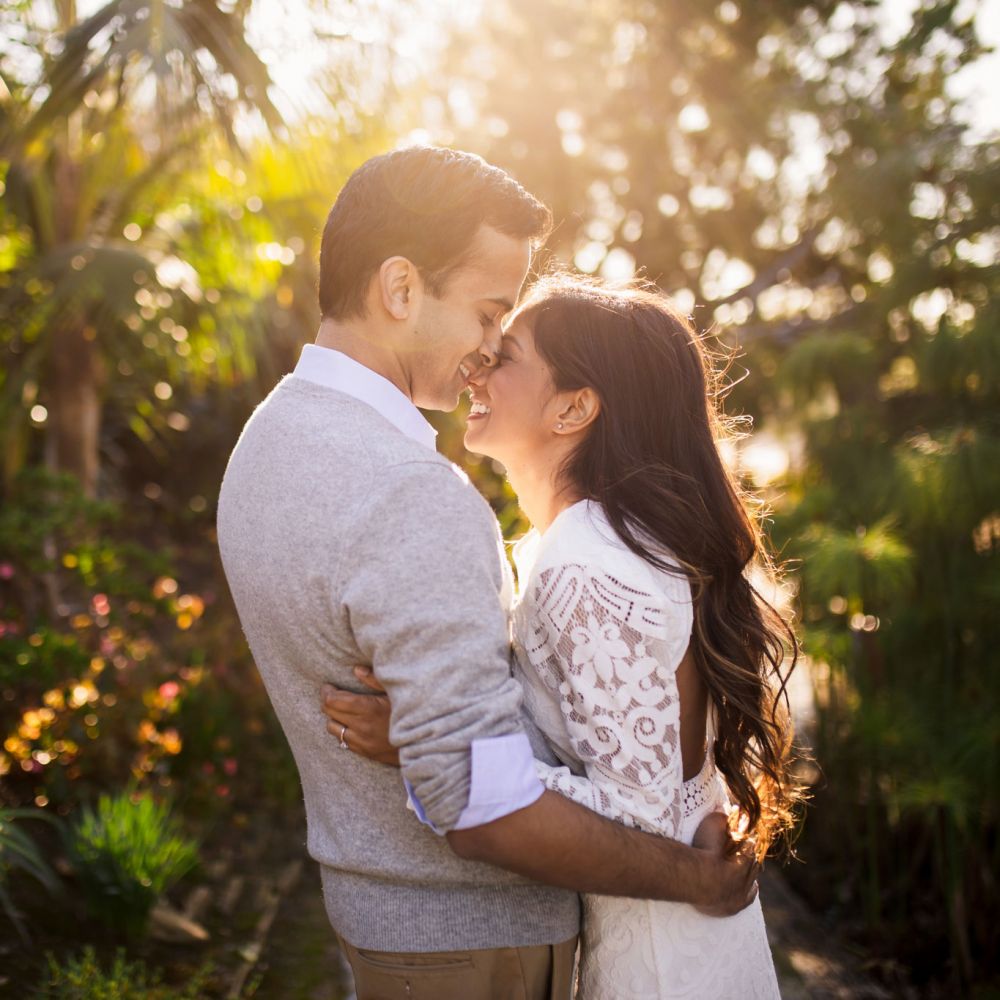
{"x":125,"y":99}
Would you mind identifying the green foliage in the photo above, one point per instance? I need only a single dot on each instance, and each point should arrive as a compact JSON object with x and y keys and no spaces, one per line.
{"x":127,"y":853}
{"x":158,"y":254}
{"x":110,"y":671}
{"x":20,"y":853}
{"x":841,"y":361}
{"x":82,"y":977}
{"x":82,"y":641}
{"x":867,"y":566}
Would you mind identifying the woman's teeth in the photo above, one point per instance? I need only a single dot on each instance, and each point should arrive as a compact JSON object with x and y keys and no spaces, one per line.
{"x":478,"y":408}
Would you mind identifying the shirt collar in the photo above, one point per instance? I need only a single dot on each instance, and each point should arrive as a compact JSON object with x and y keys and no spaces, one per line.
{"x":336,"y":370}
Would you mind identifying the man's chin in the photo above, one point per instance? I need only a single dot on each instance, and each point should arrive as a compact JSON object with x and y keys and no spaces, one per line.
{"x":443,"y":402}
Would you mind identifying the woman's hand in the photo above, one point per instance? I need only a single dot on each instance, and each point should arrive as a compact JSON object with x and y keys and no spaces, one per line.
{"x":361,"y":720}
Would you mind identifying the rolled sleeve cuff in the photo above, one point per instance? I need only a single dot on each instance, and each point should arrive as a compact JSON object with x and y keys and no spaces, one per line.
{"x":413,"y":804}
{"x":503,"y":780}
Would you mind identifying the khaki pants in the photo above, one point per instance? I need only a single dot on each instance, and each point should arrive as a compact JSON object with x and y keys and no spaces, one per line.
{"x":542,"y":972}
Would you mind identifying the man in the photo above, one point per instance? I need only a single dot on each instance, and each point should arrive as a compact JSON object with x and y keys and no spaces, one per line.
{"x":347,"y":539}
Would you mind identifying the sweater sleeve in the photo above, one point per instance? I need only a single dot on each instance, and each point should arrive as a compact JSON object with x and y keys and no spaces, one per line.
{"x":422,"y":590}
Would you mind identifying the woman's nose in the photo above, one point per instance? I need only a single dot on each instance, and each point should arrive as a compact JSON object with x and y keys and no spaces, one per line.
{"x":488,"y":352}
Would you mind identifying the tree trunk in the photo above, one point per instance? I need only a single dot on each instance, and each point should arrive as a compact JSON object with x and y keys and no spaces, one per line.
{"x":75,"y":378}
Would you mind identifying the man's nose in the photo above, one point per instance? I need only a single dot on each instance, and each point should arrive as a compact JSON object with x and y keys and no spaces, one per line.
{"x":478,"y":377}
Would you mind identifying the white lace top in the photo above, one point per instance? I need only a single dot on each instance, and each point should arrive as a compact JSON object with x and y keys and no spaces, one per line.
{"x":599,"y":634}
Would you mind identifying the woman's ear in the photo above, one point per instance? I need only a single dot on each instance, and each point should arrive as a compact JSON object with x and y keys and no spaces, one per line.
{"x":578,"y":411}
{"x":399,"y":287}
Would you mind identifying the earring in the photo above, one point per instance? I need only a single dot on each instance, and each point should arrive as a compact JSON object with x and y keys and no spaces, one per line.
{"x":559,"y":427}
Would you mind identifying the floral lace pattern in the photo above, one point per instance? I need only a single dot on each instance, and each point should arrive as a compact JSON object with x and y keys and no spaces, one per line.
{"x":599,"y":636}
{"x":605,"y":648}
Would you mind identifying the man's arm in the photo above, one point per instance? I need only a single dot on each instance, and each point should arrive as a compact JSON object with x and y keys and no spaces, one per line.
{"x":561,"y":843}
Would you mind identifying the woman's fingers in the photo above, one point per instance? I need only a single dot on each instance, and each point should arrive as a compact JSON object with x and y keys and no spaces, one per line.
{"x":360,"y":720}
{"x":365,"y":714}
{"x":364,"y":738}
{"x":337,"y":702}
{"x":367,"y":677}
{"x":359,"y":738}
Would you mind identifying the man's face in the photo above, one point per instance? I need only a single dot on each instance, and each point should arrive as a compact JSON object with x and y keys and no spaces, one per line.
{"x":459,"y":333}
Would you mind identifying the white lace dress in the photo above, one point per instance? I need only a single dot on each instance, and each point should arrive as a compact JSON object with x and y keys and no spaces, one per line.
{"x":599,"y":634}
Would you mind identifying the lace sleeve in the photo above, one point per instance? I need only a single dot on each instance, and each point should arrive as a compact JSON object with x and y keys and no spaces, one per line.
{"x":611,"y":651}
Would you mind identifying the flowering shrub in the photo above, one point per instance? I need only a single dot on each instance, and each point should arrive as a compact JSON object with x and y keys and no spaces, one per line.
{"x":97,"y":646}
{"x":112,"y":672}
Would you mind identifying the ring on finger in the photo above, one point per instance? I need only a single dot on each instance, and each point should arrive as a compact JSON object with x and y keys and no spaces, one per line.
{"x":343,"y":738}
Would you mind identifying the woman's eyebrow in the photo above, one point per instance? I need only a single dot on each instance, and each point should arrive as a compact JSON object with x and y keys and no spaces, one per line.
{"x":509,"y":340}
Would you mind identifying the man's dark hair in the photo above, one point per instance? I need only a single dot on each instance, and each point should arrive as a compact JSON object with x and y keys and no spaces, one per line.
{"x":425,"y":204}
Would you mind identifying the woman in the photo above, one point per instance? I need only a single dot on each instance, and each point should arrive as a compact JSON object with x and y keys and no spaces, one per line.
{"x":647,"y":657}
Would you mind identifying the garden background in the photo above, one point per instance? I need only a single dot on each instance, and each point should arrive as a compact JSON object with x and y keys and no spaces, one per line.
{"x":818,"y":183}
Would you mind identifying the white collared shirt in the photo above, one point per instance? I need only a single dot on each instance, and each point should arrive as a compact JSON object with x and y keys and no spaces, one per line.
{"x":335,"y":370}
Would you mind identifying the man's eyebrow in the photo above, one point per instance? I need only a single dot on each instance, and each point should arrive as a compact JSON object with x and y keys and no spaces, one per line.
{"x":505,"y":304}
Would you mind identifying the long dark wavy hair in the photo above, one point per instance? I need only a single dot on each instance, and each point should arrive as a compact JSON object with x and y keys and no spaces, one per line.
{"x":651,"y":459}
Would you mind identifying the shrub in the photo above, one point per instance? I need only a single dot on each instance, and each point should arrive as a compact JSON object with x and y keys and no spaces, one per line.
{"x":112,"y":671}
{"x":127,"y":854}
{"x":82,"y":978}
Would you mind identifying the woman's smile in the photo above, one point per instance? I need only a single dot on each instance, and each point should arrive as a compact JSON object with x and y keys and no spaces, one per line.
{"x":479,"y":410}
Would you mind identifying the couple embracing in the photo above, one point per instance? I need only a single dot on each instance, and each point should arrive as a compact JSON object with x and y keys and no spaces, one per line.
{"x":498,"y":778}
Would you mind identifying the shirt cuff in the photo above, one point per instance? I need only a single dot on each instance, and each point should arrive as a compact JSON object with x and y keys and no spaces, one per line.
{"x":503,"y":780}
{"x":413,"y":804}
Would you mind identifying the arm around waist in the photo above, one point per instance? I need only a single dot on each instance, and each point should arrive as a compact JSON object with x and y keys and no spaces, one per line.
{"x":558,"y":842}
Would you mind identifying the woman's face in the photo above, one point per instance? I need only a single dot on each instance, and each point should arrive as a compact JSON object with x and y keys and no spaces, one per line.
{"x":515,"y":406}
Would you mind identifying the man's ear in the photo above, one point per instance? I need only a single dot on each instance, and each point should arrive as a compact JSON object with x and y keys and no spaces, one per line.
{"x":577,"y":411}
{"x":399,"y":287}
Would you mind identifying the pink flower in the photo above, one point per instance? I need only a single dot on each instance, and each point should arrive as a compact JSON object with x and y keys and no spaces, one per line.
{"x":6,"y":571}
{"x":169,"y":690}
{"x":230,"y":765}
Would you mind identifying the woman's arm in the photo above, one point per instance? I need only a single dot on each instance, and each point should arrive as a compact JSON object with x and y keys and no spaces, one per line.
{"x":610,"y":650}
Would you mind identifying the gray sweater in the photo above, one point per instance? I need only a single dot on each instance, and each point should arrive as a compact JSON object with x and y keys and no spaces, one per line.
{"x":345,"y":542}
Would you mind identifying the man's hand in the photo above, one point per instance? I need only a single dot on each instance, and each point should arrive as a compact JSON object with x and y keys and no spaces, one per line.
{"x":361,"y":720}
{"x":737,"y":866}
